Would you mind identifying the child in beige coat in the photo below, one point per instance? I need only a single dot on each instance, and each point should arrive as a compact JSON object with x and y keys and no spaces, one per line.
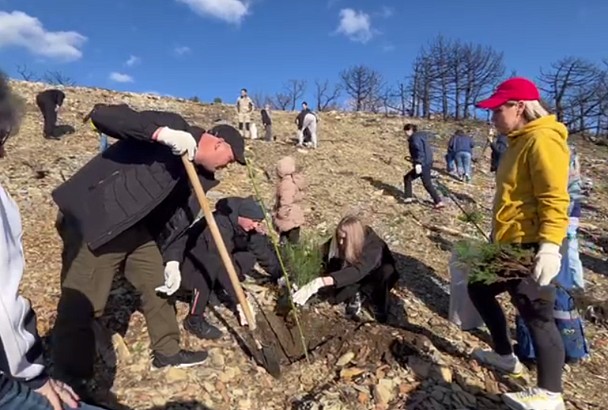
{"x":288,"y":214}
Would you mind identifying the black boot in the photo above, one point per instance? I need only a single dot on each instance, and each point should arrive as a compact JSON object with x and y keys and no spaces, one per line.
{"x":353,"y":306}
{"x":199,"y":327}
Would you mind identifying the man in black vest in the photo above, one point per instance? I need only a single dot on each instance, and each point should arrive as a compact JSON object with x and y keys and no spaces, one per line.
{"x":127,"y":209}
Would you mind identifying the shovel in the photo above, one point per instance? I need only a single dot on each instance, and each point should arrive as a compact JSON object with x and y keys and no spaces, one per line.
{"x":270,"y":359}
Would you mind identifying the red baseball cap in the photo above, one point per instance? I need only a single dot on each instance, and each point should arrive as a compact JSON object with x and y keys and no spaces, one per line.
{"x":514,"y":89}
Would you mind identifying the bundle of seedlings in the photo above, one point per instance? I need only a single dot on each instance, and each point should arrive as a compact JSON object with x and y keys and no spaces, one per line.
{"x":490,"y":262}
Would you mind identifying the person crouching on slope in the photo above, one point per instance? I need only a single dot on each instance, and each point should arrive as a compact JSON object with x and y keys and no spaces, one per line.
{"x":530,"y":210}
{"x":357,"y":262}
{"x":288,"y":214}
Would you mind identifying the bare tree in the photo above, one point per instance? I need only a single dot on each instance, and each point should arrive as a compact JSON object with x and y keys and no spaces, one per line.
{"x":260,"y":99}
{"x":573,"y":87}
{"x":295,"y":90}
{"x":27,"y":74}
{"x":363,"y":84}
{"x":325,"y":95}
{"x":281,"y":101}
{"x":58,"y":78}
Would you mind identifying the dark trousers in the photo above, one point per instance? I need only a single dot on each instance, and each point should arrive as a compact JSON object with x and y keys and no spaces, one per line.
{"x":376,"y":286}
{"x":86,"y":284}
{"x":537,"y":314}
{"x":202,"y":282}
{"x":50,"y":117}
{"x":426,"y":181}
{"x":291,"y":236}
{"x":247,"y":125}
{"x":268,"y":129}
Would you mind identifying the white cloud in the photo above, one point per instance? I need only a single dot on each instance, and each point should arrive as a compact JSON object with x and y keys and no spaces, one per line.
{"x":182,"y":50}
{"x":387,"y":48}
{"x":18,"y":29}
{"x":230,"y":11}
{"x":386,"y":12}
{"x":132,"y":61}
{"x":356,"y":25}
{"x":121,"y":78}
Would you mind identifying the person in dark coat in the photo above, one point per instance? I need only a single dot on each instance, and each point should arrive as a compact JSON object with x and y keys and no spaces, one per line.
{"x":240,"y":224}
{"x":358,"y":263}
{"x":267,"y":122}
{"x":461,"y":147}
{"x":422,"y":158}
{"x":498,"y":147}
{"x":128,"y":209}
{"x":49,"y":102}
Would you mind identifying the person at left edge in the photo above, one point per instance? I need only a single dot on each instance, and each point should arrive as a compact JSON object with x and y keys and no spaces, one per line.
{"x":129,"y":208}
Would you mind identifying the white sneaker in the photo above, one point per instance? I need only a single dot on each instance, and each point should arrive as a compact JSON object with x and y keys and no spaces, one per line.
{"x":408,"y":200}
{"x":534,"y":399}
{"x":508,"y":364}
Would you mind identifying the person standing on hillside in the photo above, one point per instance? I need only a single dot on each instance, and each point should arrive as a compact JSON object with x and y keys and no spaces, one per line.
{"x":24,"y":381}
{"x":530,"y":211}
{"x":498,"y":147}
{"x":267,"y":122}
{"x":461,"y":146}
{"x":49,"y":102}
{"x":422,"y":158}
{"x":307,"y":121}
{"x":127,"y":209}
{"x":244,"y":110}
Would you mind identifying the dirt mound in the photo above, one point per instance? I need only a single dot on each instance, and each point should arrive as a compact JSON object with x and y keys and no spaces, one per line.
{"x":359,"y":166}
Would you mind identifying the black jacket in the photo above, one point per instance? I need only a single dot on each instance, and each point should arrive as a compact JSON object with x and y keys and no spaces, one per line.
{"x":300,"y":117}
{"x":421,"y":151}
{"x":498,"y":147}
{"x":376,"y":253}
{"x":266,"y":118}
{"x":50,"y":98}
{"x":133,"y":179}
{"x":204,"y":255}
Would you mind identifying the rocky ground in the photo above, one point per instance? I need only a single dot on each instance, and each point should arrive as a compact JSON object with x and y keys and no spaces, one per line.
{"x":358,"y":167}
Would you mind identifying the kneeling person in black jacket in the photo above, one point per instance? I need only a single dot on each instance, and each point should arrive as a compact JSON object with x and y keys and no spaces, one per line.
{"x":128,"y":209}
{"x":239,"y":221}
{"x":357,"y":261}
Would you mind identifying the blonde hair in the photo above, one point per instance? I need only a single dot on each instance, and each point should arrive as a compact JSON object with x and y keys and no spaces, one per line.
{"x":354,"y":238}
{"x":533,"y":110}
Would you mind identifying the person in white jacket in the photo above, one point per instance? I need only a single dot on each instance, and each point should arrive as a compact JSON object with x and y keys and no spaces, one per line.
{"x":24,"y":383}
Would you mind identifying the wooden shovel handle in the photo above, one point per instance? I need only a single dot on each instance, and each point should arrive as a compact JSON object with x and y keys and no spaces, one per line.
{"x":217,"y":237}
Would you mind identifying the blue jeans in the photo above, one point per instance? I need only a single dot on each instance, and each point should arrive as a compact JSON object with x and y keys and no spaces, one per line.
{"x":463,"y":163}
{"x":449,"y":163}
{"x":103,"y":142}
{"x":20,"y":397}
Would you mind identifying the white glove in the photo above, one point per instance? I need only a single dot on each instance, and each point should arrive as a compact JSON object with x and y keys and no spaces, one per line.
{"x":418,"y":169}
{"x":242,"y":318}
{"x":179,"y":141}
{"x":307,"y":291}
{"x":547,"y":263}
{"x":173,"y":278}
{"x":282,"y":283}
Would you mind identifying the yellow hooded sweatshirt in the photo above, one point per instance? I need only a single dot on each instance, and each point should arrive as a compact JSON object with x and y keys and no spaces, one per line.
{"x":531,"y":202}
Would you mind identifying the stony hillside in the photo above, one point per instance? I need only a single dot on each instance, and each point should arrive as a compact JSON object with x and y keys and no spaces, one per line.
{"x":358,"y":166}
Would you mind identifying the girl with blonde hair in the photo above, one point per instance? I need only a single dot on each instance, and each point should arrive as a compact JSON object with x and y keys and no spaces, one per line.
{"x":530,"y":211}
{"x":357,"y":263}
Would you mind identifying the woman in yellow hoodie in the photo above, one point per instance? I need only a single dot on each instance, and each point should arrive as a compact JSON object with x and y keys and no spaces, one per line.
{"x":531,"y":210}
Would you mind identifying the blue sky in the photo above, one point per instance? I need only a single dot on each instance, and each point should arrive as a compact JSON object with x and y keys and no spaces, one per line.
{"x":212,"y":48}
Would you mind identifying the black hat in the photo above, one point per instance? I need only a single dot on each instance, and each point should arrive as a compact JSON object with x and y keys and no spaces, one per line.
{"x":233,"y":137}
{"x":251,"y":209}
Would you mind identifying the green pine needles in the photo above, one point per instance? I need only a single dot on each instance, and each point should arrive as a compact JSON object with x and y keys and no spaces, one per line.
{"x":304,"y":260}
{"x":490,"y":262}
